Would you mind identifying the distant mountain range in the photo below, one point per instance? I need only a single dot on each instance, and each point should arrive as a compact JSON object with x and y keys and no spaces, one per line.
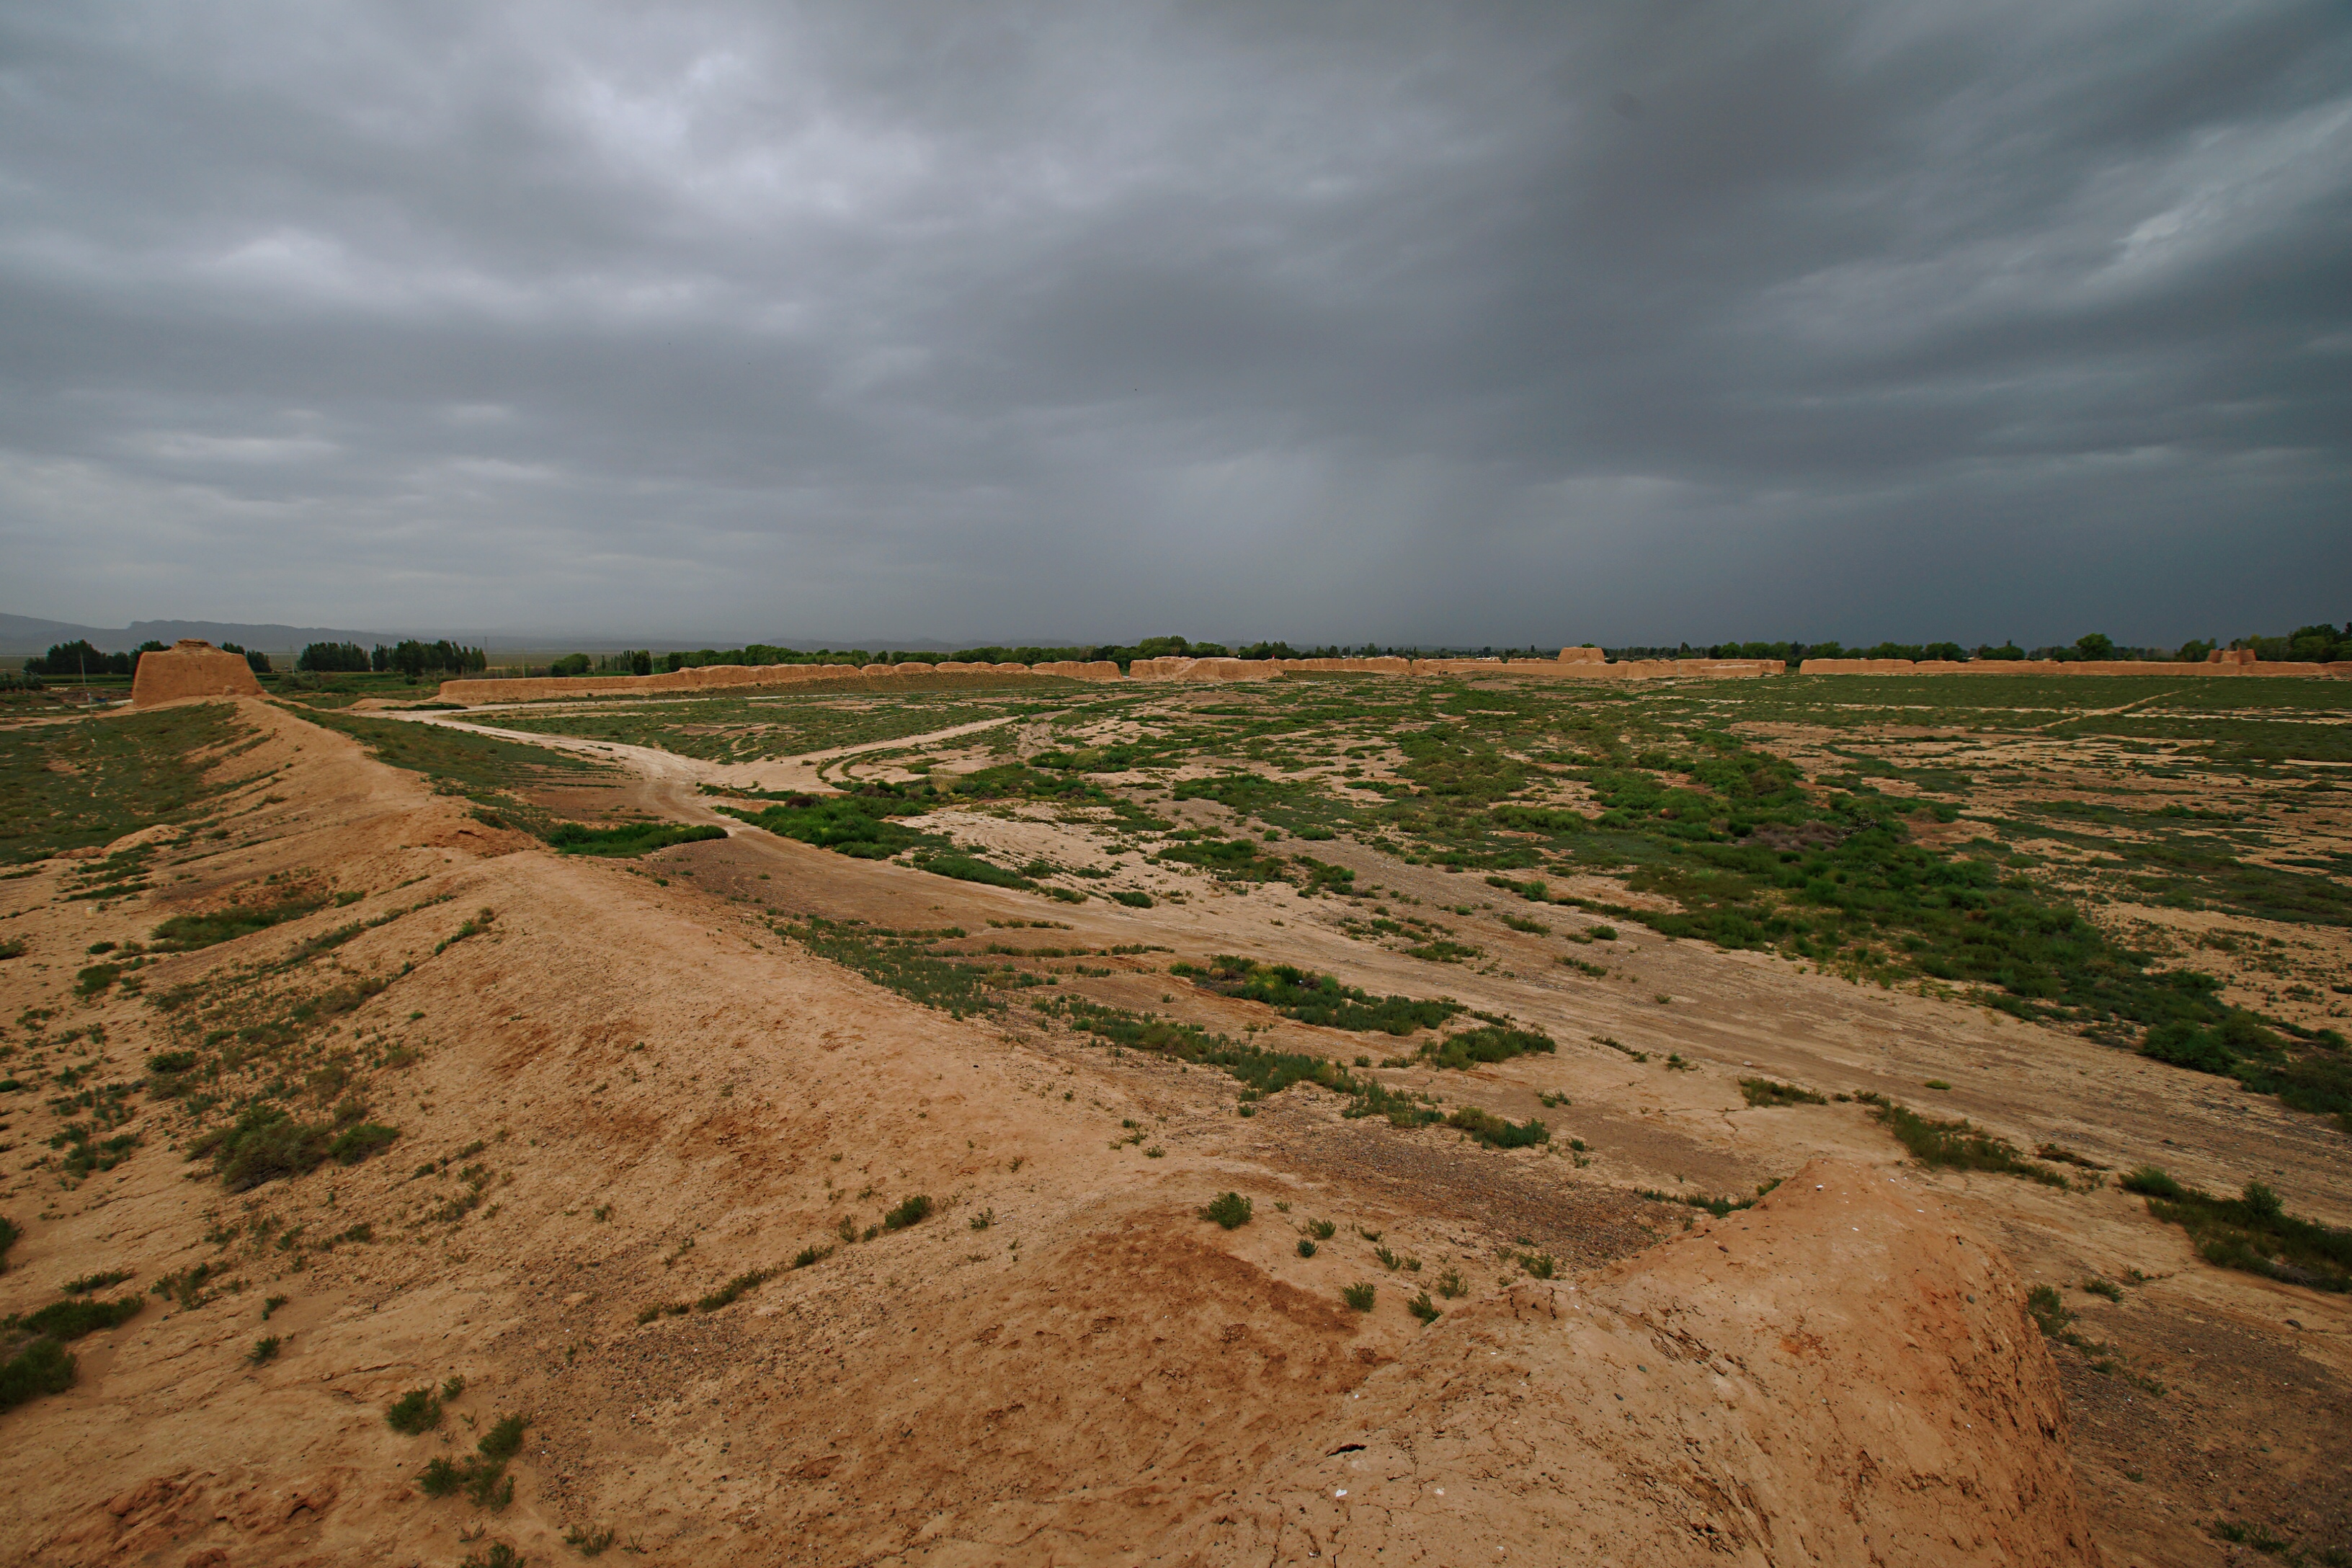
{"x":22,"y":635}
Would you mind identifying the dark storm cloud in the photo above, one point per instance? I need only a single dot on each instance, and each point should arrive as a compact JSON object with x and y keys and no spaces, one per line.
{"x":1485,"y":323}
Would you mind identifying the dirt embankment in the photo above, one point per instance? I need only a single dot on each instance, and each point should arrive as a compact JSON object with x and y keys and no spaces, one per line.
{"x":646,"y":1095}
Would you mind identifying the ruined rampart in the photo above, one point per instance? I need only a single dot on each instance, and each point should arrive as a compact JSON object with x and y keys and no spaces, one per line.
{"x":191,"y":668}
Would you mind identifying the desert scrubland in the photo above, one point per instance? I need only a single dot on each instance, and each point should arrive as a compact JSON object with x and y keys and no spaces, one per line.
{"x":968,"y":1118}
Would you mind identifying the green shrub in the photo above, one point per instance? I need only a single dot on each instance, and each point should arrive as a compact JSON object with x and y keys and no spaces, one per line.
{"x":503,"y":1441}
{"x":1321,"y":1229}
{"x":1956,"y":1145}
{"x":414,"y":1412}
{"x":1359,"y":1296}
{"x":808,"y":1256}
{"x":972,"y":869}
{"x":184,"y":932}
{"x":727,"y":1294}
{"x":629,"y":838}
{"x":41,"y":1367}
{"x":1131,"y":898}
{"x":90,"y":1282}
{"x":1495,"y":1132}
{"x":263,"y":1143}
{"x":1229,"y":1210}
{"x":1422,"y":1307}
{"x":264,"y":1351}
{"x":70,"y":1319}
{"x":908,"y":1211}
{"x":440,"y":1478}
{"x":1768,"y":1092}
{"x":95,"y":978}
{"x":1487,"y":1043}
{"x":1305,"y":1247}
{"x":498,"y":1554}
{"x":8,"y":1235}
{"x":2252,"y":1233}
{"x":168,"y":1062}
{"x":353,"y":1144}
{"x":1450,"y":1284}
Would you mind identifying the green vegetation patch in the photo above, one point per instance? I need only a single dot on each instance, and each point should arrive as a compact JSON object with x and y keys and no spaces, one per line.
{"x":1956,"y":1145}
{"x":628,"y":838}
{"x":42,"y":1366}
{"x":2251,"y":1232}
{"x":74,"y":785}
{"x":268,"y":1141}
{"x":183,"y":932}
{"x":1497,"y":1131}
{"x":856,"y":824}
{"x":1313,"y":998}
{"x":1486,"y":1045}
{"x":70,"y":1319}
{"x":1765,"y":1091}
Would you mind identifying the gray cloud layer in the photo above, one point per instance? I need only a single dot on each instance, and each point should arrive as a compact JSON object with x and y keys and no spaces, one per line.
{"x":1488,"y":323}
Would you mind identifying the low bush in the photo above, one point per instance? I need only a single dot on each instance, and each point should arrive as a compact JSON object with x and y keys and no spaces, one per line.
{"x":1422,"y":1307}
{"x":70,"y":1319}
{"x":1313,"y":998}
{"x":1487,"y":1043}
{"x":353,"y":1144}
{"x":414,"y":1412}
{"x":1305,"y":1247}
{"x":729,"y":1293}
{"x":184,"y":932}
{"x":42,"y":1367}
{"x":264,"y":1351}
{"x":1359,"y":1296}
{"x":90,"y":1282}
{"x":906,"y":1212}
{"x":1956,"y":1145}
{"x":1229,"y":1210}
{"x":1495,"y":1132}
{"x":629,"y":838}
{"x":1765,"y":1091}
{"x":1132,"y":900}
{"x":2252,"y":1233}
{"x":263,"y":1143}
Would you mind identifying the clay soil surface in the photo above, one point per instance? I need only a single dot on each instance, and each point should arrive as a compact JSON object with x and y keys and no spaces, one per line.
{"x":656,"y":1127}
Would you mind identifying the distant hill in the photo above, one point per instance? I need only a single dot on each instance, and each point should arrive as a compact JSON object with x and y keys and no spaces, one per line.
{"x":29,"y":634}
{"x":21,"y":635}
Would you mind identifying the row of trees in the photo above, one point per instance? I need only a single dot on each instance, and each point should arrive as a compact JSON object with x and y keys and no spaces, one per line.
{"x":409,"y":658}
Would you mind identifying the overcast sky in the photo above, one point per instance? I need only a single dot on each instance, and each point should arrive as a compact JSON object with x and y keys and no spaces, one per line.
{"x":1428,"y":323}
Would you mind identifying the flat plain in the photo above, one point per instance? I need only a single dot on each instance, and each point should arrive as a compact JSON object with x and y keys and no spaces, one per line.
{"x":1484,"y":993}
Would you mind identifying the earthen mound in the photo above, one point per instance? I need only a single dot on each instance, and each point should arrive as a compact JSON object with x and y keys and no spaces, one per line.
{"x":191,"y":668}
{"x":1840,"y":1375}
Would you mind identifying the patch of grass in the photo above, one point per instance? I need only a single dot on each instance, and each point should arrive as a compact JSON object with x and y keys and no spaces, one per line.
{"x":264,"y":1351}
{"x":1321,"y":1229}
{"x":1131,"y":898}
{"x":1540,"y":1264}
{"x":183,"y":933}
{"x":90,"y":1282}
{"x":267,"y":1143}
{"x":70,"y":1319}
{"x":1450,"y":1284}
{"x":1499,"y":1133}
{"x":970,"y":868}
{"x":415,"y":1412}
{"x":1305,"y":1247}
{"x":95,"y":978}
{"x":1229,"y":1210}
{"x":908,"y":1211}
{"x":43,"y":1366}
{"x":1487,"y":1043}
{"x":2252,"y":1231}
{"x":1359,"y":1296}
{"x":1765,"y":1091}
{"x":1956,"y":1145}
{"x":809,"y":1257}
{"x":629,"y":838}
{"x":498,"y":1554}
{"x":588,"y":1542}
{"x":1422,"y":1307}
{"x":1313,"y":998}
{"x":729,"y":1293}
{"x":83,"y":783}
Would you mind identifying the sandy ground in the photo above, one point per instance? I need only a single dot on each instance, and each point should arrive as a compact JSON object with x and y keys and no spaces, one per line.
{"x":667,"y":1095}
